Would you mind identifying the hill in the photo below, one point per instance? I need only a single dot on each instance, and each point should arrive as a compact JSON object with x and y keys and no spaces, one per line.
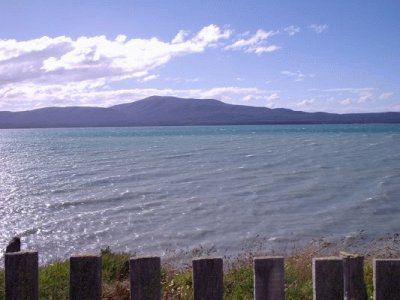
{"x":168,"y":111}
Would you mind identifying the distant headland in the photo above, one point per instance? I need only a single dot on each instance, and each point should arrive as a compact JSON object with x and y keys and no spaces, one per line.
{"x":173,"y":111}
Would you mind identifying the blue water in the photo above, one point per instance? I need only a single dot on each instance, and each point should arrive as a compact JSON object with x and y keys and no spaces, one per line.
{"x":146,"y":190}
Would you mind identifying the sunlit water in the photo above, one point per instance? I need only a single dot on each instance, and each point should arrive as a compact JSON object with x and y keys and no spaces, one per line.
{"x":145,"y":190}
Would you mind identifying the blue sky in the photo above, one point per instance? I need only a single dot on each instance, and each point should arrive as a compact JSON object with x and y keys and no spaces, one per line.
{"x":336,"y":56}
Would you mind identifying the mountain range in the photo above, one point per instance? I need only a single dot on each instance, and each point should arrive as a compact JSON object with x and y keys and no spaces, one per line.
{"x":173,"y":111}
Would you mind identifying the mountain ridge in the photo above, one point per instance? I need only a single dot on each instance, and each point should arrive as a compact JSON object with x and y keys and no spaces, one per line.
{"x":170,"y":111}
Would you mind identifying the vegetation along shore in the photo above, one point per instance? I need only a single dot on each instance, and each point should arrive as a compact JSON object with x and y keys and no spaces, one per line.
{"x":176,"y":270}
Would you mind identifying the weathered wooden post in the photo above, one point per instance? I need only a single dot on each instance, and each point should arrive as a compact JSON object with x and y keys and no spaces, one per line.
{"x":269,"y":279}
{"x":327,"y":275}
{"x":145,"y":278}
{"x":22,"y":275}
{"x":85,"y":277}
{"x":208,"y":276}
{"x":386,"y":279}
{"x":353,"y":277}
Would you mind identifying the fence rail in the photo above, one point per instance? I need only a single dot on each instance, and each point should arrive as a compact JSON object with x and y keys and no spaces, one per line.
{"x":333,"y":278}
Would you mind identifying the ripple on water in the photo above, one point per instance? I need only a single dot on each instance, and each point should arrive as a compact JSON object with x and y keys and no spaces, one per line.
{"x":145,"y":189}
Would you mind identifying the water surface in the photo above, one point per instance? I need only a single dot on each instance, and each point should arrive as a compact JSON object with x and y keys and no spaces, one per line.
{"x":65,"y":191}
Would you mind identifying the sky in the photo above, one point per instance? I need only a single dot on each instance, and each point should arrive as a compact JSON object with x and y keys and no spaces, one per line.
{"x":337,"y":56}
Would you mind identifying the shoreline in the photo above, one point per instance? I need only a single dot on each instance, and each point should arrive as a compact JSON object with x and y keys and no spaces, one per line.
{"x":176,"y":278}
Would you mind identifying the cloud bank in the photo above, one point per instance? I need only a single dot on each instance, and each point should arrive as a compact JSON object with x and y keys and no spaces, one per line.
{"x":62,"y":59}
{"x":61,"y":71}
{"x":64,"y":71}
{"x":256,"y":43}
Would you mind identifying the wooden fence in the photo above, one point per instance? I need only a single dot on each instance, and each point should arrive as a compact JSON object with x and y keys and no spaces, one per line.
{"x":333,"y":278}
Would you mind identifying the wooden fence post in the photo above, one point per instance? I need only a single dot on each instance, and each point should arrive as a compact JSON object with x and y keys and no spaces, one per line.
{"x":85,"y":277}
{"x":327,"y":275}
{"x":22,"y":275}
{"x":208,"y":276}
{"x":269,"y":279}
{"x":386,"y":279}
{"x":145,"y":278}
{"x":353,"y":278}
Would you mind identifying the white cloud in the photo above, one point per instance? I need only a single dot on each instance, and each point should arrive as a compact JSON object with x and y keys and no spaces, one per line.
{"x":394,"y":108}
{"x":26,"y":95}
{"x":121,"y":38}
{"x":96,"y":93}
{"x":149,"y":78}
{"x":366,"y":96}
{"x":296,"y":75}
{"x":237,"y":95}
{"x":181,"y":79}
{"x":385,"y":95}
{"x":50,"y":70}
{"x":62,"y":71}
{"x":318,"y":28}
{"x":180,"y":37}
{"x":291,"y":30}
{"x":353,"y":99}
{"x":349,"y":90}
{"x":255,"y":43}
{"x":258,"y":42}
{"x":63,"y":59}
{"x":305,"y":103}
{"x":346,"y":101}
{"x":262,"y":49}
{"x":360,"y":95}
{"x":268,"y":99}
{"x":259,"y":36}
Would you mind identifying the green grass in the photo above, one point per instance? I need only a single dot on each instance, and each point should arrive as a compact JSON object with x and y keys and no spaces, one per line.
{"x":53,"y":281}
{"x":177,"y":281}
{"x":115,"y":266}
{"x":2,"y":293}
{"x":238,"y":283}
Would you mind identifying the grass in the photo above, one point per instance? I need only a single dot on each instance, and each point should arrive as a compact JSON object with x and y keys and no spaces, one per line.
{"x":176,"y":278}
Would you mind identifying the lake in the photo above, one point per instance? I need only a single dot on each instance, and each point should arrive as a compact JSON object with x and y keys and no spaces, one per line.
{"x":148,"y":190}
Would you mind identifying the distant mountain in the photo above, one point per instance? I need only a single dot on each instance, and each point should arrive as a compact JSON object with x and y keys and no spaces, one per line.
{"x":163,"y":111}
